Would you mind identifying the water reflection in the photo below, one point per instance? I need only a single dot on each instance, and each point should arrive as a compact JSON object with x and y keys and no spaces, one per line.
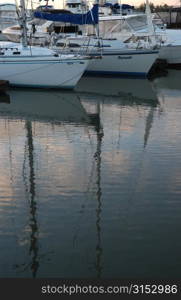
{"x":129,"y":91}
{"x":4,"y":97}
{"x":171,"y":82}
{"x":92,"y":164}
{"x":43,"y":106}
{"x":49,"y":107}
{"x":168,"y":87}
{"x":122,"y":92}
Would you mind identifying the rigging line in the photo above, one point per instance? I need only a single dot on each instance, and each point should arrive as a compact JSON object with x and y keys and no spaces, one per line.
{"x":31,"y":6}
{"x":82,"y":215}
{"x":78,"y":74}
{"x":88,"y":195}
{"x":135,"y":184}
{"x":17,"y":10}
{"x":26,"y":5}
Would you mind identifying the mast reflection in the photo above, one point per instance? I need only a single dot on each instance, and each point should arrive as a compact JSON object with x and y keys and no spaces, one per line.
{"x":97,"y":157}
{"x":149,"y":124}
{"x":33,"y":224}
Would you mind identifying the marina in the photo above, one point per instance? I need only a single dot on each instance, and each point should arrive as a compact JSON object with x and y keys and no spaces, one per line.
{"x":90,"y":144}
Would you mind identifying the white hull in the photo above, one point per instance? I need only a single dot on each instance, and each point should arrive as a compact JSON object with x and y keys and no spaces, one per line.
{"x":129,"y":62}
{"x":117,"y":58}
{"x":171,"y":51}
{"x":136,"y":25}
{"x":47,"y":74}
{"x":41,"y":69}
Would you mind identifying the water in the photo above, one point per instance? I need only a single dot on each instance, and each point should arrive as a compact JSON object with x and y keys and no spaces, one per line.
{"x":90,"y":181}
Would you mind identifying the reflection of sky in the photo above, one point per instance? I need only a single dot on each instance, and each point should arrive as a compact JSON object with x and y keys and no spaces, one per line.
{"x":9,"y":164}
{"x":62,"y":155}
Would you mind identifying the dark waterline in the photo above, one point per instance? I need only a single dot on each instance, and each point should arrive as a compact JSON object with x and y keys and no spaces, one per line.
{"x":91,"y":180}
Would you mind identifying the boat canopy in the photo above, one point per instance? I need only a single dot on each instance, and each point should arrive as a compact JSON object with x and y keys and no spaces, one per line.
{"x":91,"y":17}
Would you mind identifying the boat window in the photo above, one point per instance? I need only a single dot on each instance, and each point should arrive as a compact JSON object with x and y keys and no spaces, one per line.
{"x":38,"y":22}
{"x":66,"y":29}
{"x":16,"y":52}
{"x":108,"y":26}
{"x":137,"y":22}
{"x":74,"y":5}
{"x":58,"y":44}
{"x":74,"y":45}
{"x":15,"y":28}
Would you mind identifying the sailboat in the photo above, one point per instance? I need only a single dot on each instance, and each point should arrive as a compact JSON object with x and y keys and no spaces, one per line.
{"x":23,"y":65}
{"x":142,"y":26}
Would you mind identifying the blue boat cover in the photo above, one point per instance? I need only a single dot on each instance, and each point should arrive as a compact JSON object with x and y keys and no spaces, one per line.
{"x":127,"y":6}
{"x":117,"y":5}
{"x":91,"y":17}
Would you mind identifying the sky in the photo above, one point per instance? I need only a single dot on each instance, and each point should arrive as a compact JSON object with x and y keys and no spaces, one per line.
{"x":58,"y":3}
{"x":156,"y":2}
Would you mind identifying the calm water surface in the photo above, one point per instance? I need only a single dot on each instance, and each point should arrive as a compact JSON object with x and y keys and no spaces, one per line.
{"x":90,"y":181}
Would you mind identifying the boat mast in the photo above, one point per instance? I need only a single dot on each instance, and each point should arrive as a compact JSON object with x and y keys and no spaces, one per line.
{"x":97,"y":25}
{"x":23,"y":23}
{"x":151,"y":28}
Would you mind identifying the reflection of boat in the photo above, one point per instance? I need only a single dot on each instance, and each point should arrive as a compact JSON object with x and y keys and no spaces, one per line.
{"x":169,"y":82}
{"x":4,"y":97}
{"x":44,"y":106}
{"x":52,"y":107}
{"x":169,"y":86}
{"x":124,"y":88}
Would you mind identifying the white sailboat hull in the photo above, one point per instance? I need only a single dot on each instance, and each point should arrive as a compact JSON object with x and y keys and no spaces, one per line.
{"x":46,"y":74}
{"x":41,"y":69}
{"x":120,"y":63}
{"x":118,"y":59}
{"x":171,"y":50}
